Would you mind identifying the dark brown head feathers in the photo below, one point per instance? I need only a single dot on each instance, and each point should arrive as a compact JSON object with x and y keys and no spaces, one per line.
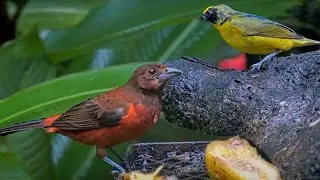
{"x":152,"y":77}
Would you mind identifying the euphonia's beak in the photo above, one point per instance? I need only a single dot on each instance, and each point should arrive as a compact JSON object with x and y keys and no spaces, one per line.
{"x":203,"y":18}
{"x":205,"y":14}
{"x":168,"y":74}
{"x":209,"y":15}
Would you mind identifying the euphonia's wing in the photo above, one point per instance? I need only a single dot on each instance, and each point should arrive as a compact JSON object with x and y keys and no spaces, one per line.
{"x":252,"y":25}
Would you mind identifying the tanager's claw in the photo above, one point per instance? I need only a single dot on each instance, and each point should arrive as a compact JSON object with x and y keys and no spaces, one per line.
{"x":269,"y":57}
{"x":116,"y":175}
{"x":115,"y":165}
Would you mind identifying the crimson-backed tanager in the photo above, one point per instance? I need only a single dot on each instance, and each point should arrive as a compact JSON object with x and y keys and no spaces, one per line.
{"x":116,"y":116}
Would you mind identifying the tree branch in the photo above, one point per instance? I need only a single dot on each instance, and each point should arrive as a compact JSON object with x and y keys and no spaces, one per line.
{"x":277,"y":109}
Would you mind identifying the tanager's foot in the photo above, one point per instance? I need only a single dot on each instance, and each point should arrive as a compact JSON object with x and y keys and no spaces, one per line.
{"x":101,"y":153}
{"x":113,"y":164}
{"x":269,"y":57}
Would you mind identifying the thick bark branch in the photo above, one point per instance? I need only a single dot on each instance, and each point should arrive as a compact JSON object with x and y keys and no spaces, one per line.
{"x":276,"y":109}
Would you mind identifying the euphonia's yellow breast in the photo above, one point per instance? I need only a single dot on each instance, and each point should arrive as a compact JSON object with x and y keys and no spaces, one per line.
{"x":238,"y":39}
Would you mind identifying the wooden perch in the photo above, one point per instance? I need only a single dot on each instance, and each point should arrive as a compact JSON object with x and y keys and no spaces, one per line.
{"x":276,"y":109}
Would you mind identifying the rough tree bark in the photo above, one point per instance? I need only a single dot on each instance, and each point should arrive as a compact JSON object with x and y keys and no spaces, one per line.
{"x":276,"y":109}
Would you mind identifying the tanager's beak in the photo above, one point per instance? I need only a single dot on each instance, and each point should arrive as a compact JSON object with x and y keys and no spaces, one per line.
{"x":168,"y":74}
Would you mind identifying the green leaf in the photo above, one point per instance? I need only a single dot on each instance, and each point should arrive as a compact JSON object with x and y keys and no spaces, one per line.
{"x":177,"y":43}
{"x":118,"y":19}
{"x":27,"y":46}
{"x":23,"y":64}
{"x":85,"y":164}
{"x":166,"y":131}
{"x":35,"y":149}
{"x":79,"y":155}
{"x":55,"y":14}
{"x":112,"y":23}
{"x":10,"y":167}
{"x":56,"y":96}
{"x":144,"y":48}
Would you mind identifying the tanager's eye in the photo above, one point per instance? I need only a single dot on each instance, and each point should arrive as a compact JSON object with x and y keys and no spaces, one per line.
{"x":152,"y":71}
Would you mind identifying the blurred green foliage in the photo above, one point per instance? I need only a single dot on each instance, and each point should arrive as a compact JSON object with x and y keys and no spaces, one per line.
{"x":305,"y":19}
{"x":69,"y":50}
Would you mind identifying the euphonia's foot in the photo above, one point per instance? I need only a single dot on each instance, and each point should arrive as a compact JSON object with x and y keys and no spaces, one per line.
{"x":269,"y":57}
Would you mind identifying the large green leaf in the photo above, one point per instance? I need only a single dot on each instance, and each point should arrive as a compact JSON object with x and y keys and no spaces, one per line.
{"x":65,"y":44}
{"x":79,"y":155}
{"x":166,"y":131}
{"x":117,"y":20}
{"x":23,"y":64}
{"x":145,"y":48}
{"x":35,"y":149}
{"x":55,"y":14}
{"x":177,"y":45}
{"x":10,"y":167}
{"x":85,"y":164}
{"x":56,"y":96}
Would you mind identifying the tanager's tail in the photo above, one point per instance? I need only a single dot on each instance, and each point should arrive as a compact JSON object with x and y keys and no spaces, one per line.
{"x":46,"y":123}
{"x":21,"y":127}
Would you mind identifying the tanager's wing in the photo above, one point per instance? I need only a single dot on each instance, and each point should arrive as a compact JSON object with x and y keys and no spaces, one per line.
{"x":252,"y":25}
{"x":89,"y":115}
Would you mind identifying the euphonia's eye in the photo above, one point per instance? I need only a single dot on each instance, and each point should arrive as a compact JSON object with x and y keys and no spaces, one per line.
{"x":152,"y":71}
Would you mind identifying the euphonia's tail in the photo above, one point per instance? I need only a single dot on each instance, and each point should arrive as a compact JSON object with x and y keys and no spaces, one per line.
{"x":309,"y":42}
{"x":21,"y":127}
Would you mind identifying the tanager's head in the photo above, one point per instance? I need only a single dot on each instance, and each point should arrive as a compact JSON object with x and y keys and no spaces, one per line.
{"x":152,"y":77}
{"x":217,"y":14}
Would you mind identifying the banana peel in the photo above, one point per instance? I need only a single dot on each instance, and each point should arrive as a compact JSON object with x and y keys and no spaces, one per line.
{"x":236,"y":159}
{"x":136,"y":175}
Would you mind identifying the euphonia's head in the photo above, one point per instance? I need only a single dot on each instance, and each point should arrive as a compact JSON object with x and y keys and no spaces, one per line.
{"x":217,"y":14}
